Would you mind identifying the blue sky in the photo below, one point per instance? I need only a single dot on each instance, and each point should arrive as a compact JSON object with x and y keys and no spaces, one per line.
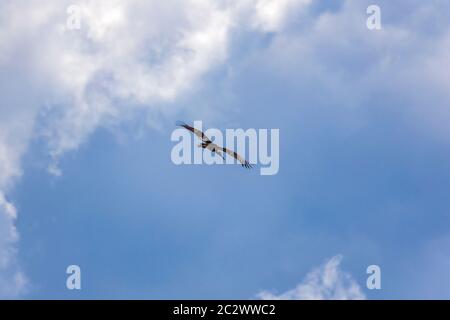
{"x":364,"y":174}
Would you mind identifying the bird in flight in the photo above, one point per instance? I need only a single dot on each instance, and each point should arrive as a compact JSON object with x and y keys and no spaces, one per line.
{"x":214,"y":148}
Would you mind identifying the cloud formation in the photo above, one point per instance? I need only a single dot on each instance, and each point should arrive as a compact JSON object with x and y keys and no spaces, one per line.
{"x":355,"y":67}
{"x":12,"y":280}
{"x":328,"y":282}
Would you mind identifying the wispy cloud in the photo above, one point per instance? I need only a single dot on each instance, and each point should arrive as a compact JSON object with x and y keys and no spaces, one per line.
{"x":12,"y":280}
{"x":327,"y":282}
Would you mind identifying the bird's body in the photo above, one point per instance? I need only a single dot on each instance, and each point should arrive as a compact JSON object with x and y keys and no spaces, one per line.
{"x":210,"y":146}
{"x":214,"y":148}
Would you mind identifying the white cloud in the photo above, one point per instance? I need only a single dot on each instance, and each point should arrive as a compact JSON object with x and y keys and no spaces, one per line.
{"x":127,"y":55}
{"x":327,"y":282}
{"x":352,"y":67}
{"x":61,"y":84}
{"x":12,"y":280}
{"x":272,"y":15}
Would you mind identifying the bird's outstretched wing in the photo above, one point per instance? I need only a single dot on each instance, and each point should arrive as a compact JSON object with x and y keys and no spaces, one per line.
{"x":197,"y":132}
{"x":243,"y":162}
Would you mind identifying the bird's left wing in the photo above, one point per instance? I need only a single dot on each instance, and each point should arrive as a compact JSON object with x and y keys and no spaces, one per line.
{"x":197,"y":132}
{"x":243,"y":162}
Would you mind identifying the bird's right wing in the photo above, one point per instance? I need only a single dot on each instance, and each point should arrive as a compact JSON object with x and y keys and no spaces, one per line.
{"x":197,"y":132}
{"x":243,"y":162}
